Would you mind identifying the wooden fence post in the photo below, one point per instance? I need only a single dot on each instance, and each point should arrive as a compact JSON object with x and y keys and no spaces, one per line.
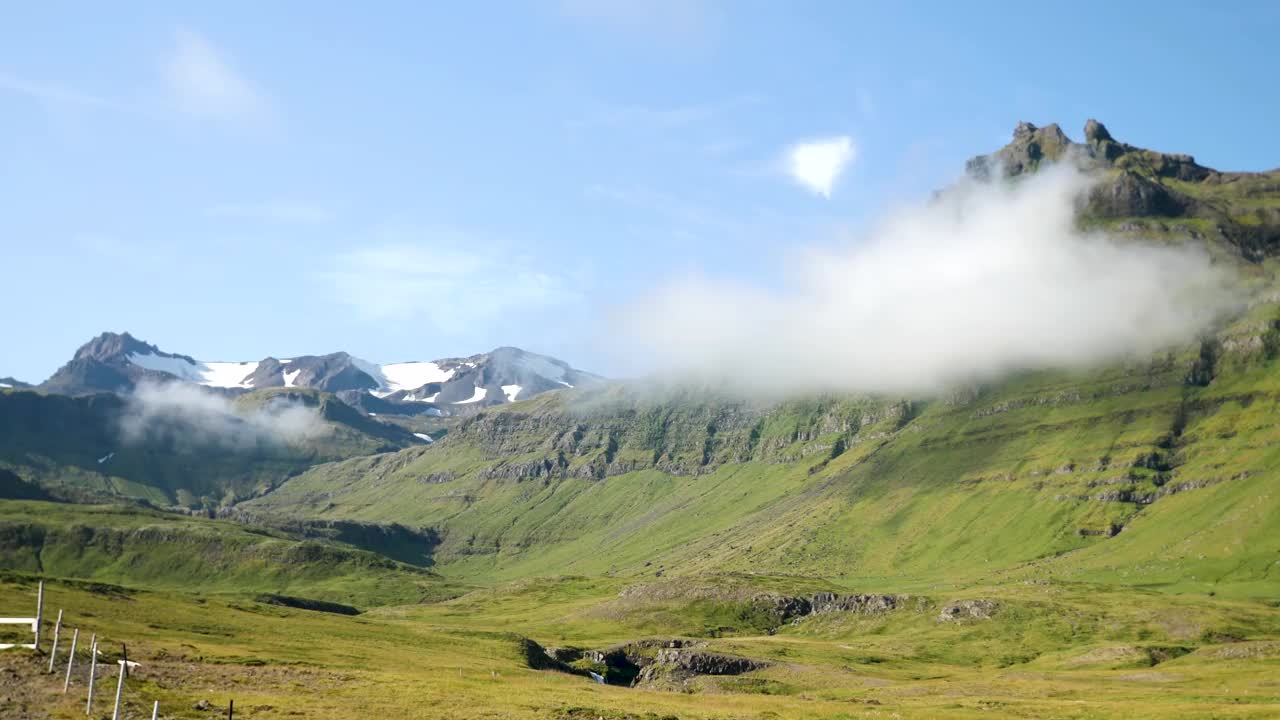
{"x":75,"y":637}
{"x":53,"y":652}
{"x":231,"y":710}
{"x":93,"y":666}
{"x":115,"y":714}
{"x":39,"y":613}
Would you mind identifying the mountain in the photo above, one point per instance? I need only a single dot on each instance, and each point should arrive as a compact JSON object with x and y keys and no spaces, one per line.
{"x":117,"y":362}
{"x":1162,"y":463}
{"x":7,"y":383}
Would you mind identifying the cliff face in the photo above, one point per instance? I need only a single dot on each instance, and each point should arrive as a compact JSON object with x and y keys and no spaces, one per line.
{"x":1146,"y":192}
{"x":620,"y":429}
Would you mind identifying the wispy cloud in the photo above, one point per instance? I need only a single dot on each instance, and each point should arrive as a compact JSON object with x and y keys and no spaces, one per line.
{"x":62,"y":95}
{"x":453,"y":283}
{"x":276,"y":212}
{"x":187,"y":417}
{"x":818,"y":164}
{"x":202,"y":81}
{"x":48,"y":92}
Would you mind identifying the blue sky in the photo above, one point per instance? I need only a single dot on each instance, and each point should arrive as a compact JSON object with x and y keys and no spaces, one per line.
{"x":412,"y":181}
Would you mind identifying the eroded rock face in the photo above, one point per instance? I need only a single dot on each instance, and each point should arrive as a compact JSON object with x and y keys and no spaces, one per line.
{"x":651,"y":663}
{"x":789,"y":608}
{"x":701,"y":662}
{"x":675,"y":668}
{"x":961,"y":610}
{"x":1132,"y":195}
{"x":1030,"y":146}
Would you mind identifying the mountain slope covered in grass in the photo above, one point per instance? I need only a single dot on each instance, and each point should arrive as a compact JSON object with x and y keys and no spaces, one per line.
{"x":143,"y":548}
{"x":83,"y":447}
{"x":1158,"y":471}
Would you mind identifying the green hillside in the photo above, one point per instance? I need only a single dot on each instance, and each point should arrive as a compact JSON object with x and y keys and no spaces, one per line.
{"x":142,"y":548}
{"x":1049,"y":468}
{"x":76,"y":448}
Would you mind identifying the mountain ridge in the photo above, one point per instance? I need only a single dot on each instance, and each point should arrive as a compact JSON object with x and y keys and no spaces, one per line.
{"x":118,"y":362}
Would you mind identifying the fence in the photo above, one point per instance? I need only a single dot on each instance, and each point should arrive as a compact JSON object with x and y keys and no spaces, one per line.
{"x":125,"y":664}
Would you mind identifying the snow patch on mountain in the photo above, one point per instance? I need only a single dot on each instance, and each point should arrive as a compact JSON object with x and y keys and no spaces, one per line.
{"x":290,"y":377}
{"x":412,"y":375}
{"x":511,"y":391}
{"x":423,"y":436}
{"x":370,"y":369}
{"x":480,"y":393}
{"x":211,"y":374}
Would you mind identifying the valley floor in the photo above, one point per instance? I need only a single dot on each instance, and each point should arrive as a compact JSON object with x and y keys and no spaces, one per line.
{"x":1047,"y":651}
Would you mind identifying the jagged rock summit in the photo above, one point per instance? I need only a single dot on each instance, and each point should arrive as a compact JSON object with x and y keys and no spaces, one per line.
{"x":1148,"y":192}
{"x":1031,"y":146}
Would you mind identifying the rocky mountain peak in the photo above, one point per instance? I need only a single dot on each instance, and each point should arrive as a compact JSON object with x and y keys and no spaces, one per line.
{"x":1135,"y":187}
{"x":111,"y":347}
{"x":1030,"y":146}
{"x":1095,"y":132}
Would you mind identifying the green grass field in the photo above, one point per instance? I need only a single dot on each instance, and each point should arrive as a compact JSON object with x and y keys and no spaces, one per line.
{"x":1056,"y":650}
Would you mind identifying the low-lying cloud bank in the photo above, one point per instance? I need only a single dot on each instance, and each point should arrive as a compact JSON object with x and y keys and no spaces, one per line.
{"x":191,"y":416}
{"x":985,"y":280}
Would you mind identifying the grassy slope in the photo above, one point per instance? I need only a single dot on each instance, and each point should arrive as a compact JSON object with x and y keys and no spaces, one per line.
{"x":1028,"y":479}
{"x":57,"y":441}
{"x":143,"y":548}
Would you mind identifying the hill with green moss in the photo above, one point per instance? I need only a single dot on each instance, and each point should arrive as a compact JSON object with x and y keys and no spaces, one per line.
{"x":1160,"y":468}
{"x":103,"y":446}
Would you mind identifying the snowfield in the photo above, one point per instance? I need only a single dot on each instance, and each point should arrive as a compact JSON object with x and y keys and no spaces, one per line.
{"x":480,"y":393}
{"x":410,"y":375}
{"x":511,"y":391}
{"x":212,"y":374}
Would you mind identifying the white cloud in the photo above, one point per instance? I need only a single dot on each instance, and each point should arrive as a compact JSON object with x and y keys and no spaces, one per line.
{"x":455,"y":284}
{"x":279,"y":212}
{"x":986,"y":280}
{"x":818,"y":164}
{"x":203,"y":82}
{"x":46,"y":92}
{"x":191,"y":416}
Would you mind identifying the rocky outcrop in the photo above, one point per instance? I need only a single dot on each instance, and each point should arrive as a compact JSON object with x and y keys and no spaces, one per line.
{"x":678,"y":666}
{"x":649,"y":663}
{"x":962,"y":610}
{"x":1133,"y":195}
{"x":1133,"y":183}
{"x":791,"y":608}
{"x":611,"y":431}
{"x":1030,"y":147}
